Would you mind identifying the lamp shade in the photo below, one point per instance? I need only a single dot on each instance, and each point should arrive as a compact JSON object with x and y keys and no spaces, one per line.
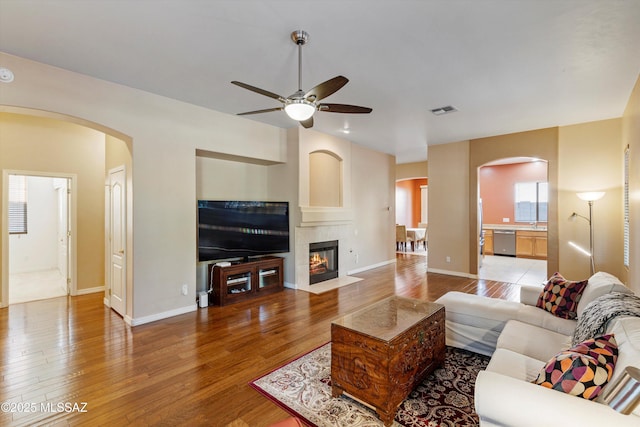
{"x":590,"y":196}
{"x":299,"y":109}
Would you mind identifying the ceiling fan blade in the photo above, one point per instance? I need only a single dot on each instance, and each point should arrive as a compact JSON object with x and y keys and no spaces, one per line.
{"x":344,"y":108}
{"x":327,"y":88}
{"x":258,"y":90}
{"x":307,"y":123}
{"x":268,"y":110}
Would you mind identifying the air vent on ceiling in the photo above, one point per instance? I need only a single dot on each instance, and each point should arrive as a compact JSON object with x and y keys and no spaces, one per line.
{"x":444,"y":110}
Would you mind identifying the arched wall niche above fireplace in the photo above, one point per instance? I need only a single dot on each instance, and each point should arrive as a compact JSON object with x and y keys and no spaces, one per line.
{"x":325,"y":179}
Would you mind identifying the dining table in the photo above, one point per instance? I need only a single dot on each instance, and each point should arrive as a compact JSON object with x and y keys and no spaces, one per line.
{"x":417,"y":235}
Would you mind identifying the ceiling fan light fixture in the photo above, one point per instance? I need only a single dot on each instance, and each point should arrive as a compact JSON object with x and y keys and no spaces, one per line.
{"x":299,"y":109}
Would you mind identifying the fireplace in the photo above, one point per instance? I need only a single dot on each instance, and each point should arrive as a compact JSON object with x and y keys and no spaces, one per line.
{"x":323,"y":261}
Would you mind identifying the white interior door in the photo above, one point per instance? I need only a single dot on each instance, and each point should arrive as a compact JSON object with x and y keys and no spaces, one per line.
{"x":62,"y":187}
{"x":117,"y":240}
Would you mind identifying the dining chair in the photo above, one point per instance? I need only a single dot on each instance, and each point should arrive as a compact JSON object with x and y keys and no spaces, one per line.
{"x":401,"y":237}
{"x":422,"y":238}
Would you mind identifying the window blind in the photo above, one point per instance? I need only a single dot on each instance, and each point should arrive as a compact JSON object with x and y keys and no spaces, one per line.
{"x":17,"y":204}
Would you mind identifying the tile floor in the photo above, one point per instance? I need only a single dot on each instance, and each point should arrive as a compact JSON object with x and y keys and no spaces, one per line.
{"x":521,"y":271}
{"x":37,"y":285}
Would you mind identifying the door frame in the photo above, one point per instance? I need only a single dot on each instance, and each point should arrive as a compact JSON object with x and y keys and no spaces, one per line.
{"x":72,"y":257}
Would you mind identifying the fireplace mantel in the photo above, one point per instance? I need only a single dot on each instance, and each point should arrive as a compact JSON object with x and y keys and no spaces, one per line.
{"x":313,"y":216}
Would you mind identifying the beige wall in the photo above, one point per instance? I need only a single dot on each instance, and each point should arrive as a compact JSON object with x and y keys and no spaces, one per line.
{"x":591,"y":159}
{"x":283,"y":185}
{"x":631,"y":137}
{"x":448,"y":201}
{"x":541,"y":144}
{"x":325,"y":179}
{"x":230,"y":180}
{"x":46,"y":145}
{"x":373,"y":201}
{"x":164,"y":135}
{"x":581,"y":157}
{"x":412,"y":170}
{"x":312,"y":141}
{"x":454,"y":192}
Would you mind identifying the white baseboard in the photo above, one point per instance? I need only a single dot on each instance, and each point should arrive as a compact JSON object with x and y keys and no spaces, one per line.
{"x":452,"y":273}
{"x":87,"y":291}
{"x":159,"y":316}
{"x":370,"y":267}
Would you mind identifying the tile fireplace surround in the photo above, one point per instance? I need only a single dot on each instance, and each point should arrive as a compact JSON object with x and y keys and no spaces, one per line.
{"x":306,"y":235}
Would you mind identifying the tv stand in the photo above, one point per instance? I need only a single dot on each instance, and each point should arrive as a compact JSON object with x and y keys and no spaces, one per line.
{"x":246,"y":280}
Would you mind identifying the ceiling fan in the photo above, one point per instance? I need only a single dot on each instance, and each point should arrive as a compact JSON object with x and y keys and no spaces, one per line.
{"x":301,"y":105}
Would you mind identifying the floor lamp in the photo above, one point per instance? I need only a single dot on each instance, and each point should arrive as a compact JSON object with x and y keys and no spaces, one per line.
{"x":589,"y":197}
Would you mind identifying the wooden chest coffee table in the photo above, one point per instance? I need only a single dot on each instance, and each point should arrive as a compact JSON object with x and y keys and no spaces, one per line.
{"x":380,"y":353}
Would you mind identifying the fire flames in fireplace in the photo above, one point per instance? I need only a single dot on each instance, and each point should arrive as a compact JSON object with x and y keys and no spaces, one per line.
{"x":323,"y":261}
{"x":318,"y":264}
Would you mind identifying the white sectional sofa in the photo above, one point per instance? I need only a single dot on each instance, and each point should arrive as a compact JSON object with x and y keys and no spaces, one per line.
{"x":521,"y":338}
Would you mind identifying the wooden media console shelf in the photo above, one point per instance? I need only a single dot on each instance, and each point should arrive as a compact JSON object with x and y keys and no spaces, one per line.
{"x":244,"y":280}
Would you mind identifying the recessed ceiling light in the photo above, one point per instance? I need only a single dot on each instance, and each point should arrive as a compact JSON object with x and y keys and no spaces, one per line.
{"x":444,"y":110}
{"x":6,"y":75}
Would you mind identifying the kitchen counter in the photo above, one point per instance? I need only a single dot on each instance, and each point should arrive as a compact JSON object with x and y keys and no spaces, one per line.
{"x":526,"y":227}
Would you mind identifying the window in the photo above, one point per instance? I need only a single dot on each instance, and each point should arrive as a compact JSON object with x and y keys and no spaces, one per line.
{"x":17,"y":204}
{"x":531,"y":201}
{"x":626,"y":207}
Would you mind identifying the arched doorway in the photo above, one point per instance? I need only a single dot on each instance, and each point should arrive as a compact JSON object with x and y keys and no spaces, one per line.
{"x":513,"y":216}
{"x":66,"y":146}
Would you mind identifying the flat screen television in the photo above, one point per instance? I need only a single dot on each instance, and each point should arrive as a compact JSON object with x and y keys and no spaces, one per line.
{"x":241,"y":229}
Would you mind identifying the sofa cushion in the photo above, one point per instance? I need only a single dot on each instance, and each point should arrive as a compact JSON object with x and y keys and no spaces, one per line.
{"x":599,"y":284}
{"x":582,"y":370}
{"x":535,"y":316}
{"x":515,"y":365}
{"x":474,"y":322}
{"x":479,"y":311}
{"x":627,"y":333}
{"x":532,"y":341}
{"x":560,"y":296}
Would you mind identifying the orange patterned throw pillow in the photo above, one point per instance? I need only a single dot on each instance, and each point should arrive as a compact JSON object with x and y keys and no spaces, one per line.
{"x":583,"y":370}
{"x":560,"y":296}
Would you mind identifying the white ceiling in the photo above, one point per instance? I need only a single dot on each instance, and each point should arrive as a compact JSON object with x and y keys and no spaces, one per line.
{"x":506,"y":65}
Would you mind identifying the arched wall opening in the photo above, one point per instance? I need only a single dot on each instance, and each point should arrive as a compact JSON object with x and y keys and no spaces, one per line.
{"x":512,"y":217}
{"x":539,"y":144}
{"x":51,"y":143}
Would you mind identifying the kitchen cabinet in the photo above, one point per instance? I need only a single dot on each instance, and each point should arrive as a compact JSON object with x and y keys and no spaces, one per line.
{"x":488,"y":242}
{"x":531,"y":244}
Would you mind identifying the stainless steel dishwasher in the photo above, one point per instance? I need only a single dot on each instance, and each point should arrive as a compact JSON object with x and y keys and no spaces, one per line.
{"x":504,"y":242}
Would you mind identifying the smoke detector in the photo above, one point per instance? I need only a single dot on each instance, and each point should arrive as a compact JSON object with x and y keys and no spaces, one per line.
{"x":6,"y":75}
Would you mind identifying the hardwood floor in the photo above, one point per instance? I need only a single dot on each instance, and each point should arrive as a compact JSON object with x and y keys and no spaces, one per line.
{"x":191,"y":369}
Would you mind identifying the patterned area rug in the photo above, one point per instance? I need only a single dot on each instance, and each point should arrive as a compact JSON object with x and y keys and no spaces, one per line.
{"x":303,"y":388}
